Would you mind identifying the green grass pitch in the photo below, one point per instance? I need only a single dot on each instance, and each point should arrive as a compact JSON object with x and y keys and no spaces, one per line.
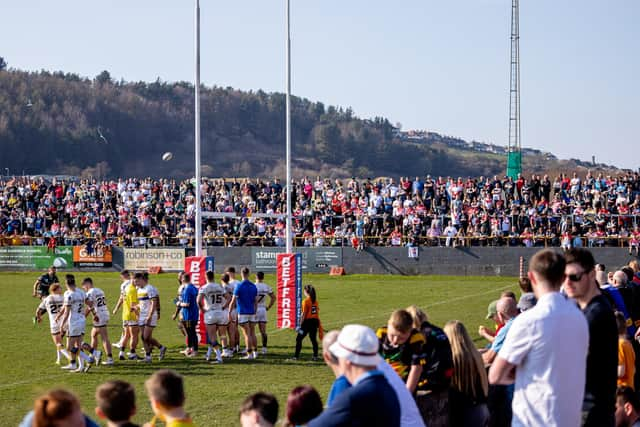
{"x":214,"y":392}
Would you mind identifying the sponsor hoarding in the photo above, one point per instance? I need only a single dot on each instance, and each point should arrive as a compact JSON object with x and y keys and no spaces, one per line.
{"x":289,"y":284}
{"x":314,"y":260}
{"x":170,"y":259}
{"x":101,"y":257}
{"x":35,"y":257}
{"x":197,"y":267}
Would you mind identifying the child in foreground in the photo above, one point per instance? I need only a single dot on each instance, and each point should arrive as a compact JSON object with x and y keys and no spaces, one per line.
{"x":166,"y":394}
{"x":116,"y":403}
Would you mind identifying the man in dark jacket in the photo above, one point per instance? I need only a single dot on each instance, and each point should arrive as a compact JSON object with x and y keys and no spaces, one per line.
{"x":371,"y":401}
{"x":602,"y":359}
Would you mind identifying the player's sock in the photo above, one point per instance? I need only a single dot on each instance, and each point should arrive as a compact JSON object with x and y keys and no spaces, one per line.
{"x":65,"y":353}
{"x":84,"y":357}
{"x":209,"y":350}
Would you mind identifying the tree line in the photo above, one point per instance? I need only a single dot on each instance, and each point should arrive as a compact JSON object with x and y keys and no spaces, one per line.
{"x":62,"y":123}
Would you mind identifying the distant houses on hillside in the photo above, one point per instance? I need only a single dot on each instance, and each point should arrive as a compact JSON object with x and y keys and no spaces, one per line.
{"x":427,"y":137}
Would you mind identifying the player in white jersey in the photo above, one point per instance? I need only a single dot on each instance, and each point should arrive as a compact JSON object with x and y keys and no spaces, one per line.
{"x":264,"y":291}
{"x":53,"y":304}
{"x":98,"y":300}
{"x":212,"y":300}
{"x":125,"y":336}
{"x":73,"y":316}
{"x":149,"y":303}
{"x":229,"y":282}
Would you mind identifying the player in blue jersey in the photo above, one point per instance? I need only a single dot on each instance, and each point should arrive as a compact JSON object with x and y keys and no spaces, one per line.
{"x":245,"y":297}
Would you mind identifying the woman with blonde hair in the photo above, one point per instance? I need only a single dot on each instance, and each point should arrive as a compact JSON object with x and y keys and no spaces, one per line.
{"x":469,"y":384}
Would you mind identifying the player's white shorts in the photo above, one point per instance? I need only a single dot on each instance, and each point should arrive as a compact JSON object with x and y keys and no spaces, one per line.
{"x":154,"y":320}
{"x":103,"y":320}
{"x":55,"y":328}
{"x":261,"y":315}
{"x":216,"y":317}
{"x":129,"y":323}
{"x":245,"y":318}
{"x":76,"y":328}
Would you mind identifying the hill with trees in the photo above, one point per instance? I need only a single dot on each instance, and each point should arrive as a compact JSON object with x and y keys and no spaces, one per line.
{"x":62,"y":123}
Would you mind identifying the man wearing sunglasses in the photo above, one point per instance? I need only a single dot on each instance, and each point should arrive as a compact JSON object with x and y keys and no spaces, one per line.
{"x":598,"y":407}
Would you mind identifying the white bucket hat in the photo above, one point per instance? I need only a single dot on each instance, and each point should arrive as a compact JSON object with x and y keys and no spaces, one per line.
{"x":358,"y":344}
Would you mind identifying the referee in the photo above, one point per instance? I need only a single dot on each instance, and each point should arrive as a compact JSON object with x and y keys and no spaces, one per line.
{"x":44,"y":282}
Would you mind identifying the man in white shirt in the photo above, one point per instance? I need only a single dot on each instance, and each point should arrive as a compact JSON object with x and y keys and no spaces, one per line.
{"x":545,"y":352}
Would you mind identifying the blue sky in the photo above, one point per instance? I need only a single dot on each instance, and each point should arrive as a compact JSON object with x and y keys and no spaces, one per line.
{"x":437,"y":65}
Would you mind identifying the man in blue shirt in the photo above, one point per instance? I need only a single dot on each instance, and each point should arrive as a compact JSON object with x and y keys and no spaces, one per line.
{"x":245,"y":298}
{"x":190,"y":313}
{"x":506,"y":310}
{"x":500,"y":396}
{"x":371,"y":400}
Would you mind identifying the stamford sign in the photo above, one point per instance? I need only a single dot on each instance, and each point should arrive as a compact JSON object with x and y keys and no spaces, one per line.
{"x":314,"y":260}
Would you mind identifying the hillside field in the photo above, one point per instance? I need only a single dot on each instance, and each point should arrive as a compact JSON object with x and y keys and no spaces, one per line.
{"x":214,"y":392}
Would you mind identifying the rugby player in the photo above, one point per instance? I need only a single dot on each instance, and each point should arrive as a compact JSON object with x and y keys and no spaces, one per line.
{"x":130,"y":317}
{"x":232,"y":329}
{"x":212,"y":300}
{"x":190,"y":314}
{"x":149,"y":303}
{"x":245,"y":297}
{"x":52,"y":304}
{"x":264,"y":290}
{"x":125,"y":275}
{"x":72,"y":315}
{"x":44,"y":282}
{"x":98,"y":301}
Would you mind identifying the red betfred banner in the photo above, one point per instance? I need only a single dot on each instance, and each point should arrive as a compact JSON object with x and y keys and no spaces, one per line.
{"x":197,"y":267}
{"x":289,"y":283}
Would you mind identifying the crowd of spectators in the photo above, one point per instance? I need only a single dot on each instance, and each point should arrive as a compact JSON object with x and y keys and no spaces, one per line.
{"x":590,"y":210}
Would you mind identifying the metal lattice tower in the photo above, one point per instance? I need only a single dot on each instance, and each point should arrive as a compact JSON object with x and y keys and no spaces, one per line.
{"x":514,"y":156}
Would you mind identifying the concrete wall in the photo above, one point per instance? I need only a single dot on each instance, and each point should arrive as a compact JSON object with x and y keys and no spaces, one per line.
{"x":480,"y":261}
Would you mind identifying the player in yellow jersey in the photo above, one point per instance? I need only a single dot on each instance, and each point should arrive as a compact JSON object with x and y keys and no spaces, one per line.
{"x":130,"y":312}
{"x":166,"y":394}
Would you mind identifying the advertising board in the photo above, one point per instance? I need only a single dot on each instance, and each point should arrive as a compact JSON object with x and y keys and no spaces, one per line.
{"x":314,"y":260}
{"x":35,"y":257}
{"x":289,"y":284}
{"x":100,"y":257}
{"x":169,"y":259}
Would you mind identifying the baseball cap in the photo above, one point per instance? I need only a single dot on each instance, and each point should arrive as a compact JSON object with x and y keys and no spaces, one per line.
{"x":358,"y":344}
{"x":492,"y":309}
{"x":527,"y":301}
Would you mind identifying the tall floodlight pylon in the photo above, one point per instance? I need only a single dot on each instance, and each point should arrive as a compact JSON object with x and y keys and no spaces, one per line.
{"x":514,"y":151}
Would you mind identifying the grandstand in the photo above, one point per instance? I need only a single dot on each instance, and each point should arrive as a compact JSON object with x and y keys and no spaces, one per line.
{"x":424,"y":211}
